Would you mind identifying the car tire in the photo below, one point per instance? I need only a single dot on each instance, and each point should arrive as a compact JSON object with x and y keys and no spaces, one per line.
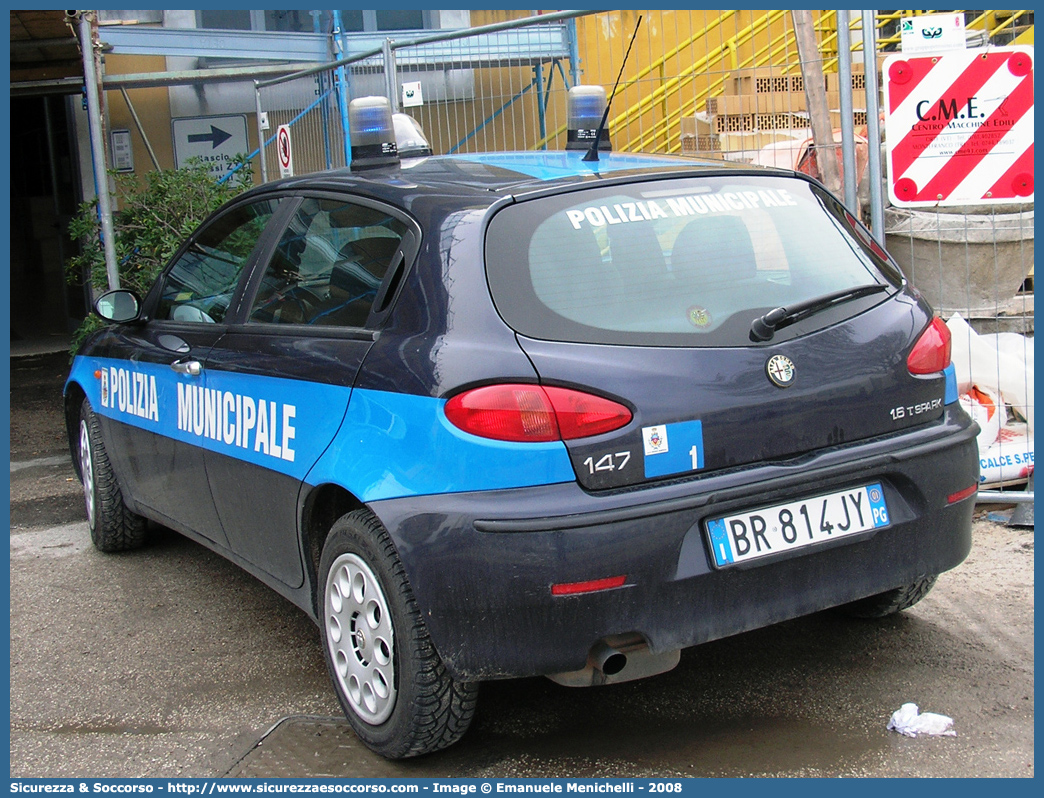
{"x":891,"y":601}
{"x":113,"y":526}
{"x":392,"y":684}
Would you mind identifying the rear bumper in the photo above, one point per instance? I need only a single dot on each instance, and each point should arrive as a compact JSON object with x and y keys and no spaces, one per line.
{"x":482,"y":564}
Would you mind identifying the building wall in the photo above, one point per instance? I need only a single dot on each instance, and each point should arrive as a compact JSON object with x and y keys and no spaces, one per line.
{"x":152,"y":106}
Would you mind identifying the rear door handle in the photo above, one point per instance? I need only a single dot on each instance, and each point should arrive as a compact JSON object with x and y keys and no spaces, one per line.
{"x":190,"y":367}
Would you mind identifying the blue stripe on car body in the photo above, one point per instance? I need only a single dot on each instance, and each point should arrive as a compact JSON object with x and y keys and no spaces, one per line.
{"x":950,"y":394}
{"x":388,"y":445}
{"x":279,"y":424}
{"x":394,"y":445}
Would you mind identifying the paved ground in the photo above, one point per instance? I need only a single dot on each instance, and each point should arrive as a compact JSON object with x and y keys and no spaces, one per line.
{"x":172,"y":662}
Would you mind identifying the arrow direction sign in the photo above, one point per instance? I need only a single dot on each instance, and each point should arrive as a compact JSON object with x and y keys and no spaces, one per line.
{"x":216,"y":136}
{"x":216,"y":140}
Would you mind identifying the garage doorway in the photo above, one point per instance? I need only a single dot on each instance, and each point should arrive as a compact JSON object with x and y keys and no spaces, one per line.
{"x":44,"y":197}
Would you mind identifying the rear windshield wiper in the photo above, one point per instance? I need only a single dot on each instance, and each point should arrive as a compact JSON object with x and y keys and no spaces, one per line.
{"x":764,"y":327}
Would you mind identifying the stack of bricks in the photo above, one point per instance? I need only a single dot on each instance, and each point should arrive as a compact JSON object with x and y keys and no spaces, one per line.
{"x":760,"y":106}
{"x":764,"y":98}
{"x":765,"y":105}
{"x":833,"y":90}
{"x":698,"y":138}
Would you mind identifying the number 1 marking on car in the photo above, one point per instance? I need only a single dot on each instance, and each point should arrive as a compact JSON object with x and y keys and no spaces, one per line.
{"x":694,"y":453}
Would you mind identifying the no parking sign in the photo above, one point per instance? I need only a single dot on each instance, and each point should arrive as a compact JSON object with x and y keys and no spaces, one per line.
{"x":284,"y":151}
{"x":959,"y":127}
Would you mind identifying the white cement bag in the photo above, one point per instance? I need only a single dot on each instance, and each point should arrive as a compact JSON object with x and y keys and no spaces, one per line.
{"x":982,"y":406}
{"x":998,"y":363}
{"x":1009,"y":459}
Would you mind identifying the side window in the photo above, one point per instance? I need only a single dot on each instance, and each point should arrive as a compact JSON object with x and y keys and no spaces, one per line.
{"x":200,"y":284}
{"x":328,"y":266}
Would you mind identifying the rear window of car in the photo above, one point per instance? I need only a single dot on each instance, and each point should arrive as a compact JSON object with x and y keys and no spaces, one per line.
{"x":685,"y":262}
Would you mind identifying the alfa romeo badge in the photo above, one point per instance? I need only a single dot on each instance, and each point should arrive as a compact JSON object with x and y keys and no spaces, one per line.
{"x":780,"y":370}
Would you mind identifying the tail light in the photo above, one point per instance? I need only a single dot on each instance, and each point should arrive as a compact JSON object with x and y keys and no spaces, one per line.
{"x":532,"y":413}
{"x":931,"y":353}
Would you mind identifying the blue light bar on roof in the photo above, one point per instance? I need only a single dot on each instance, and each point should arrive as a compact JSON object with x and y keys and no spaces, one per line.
{"x":373,"y":133}
{"x":586,"y":107}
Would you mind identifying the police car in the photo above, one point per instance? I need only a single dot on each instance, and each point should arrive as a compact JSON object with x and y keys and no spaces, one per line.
{"x":544,"y":413}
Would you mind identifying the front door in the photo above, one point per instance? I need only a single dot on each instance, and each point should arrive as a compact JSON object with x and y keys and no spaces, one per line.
{"x":155,"y":383}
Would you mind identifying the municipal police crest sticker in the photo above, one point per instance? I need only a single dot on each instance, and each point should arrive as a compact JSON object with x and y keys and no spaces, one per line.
{"x":105,"y":387}
{"x":655,"y":439}
{"x":780,"y":370}
{"x":699,"y":317}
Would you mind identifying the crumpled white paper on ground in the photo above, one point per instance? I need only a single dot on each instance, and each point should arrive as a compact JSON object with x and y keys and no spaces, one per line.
{"x":906,"y":720}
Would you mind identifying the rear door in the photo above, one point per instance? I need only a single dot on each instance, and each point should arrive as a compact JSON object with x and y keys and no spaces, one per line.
{"x":282,"y":376}
{"x":646,"y":293}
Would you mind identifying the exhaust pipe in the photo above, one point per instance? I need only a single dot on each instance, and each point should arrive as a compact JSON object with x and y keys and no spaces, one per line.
{"x":618,"y":658}
{"x":607,"y":660}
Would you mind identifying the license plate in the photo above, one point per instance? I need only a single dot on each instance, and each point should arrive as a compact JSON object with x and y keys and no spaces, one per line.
{"x":784,"y":527}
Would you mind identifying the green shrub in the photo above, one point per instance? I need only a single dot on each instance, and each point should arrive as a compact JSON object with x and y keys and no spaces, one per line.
{"x":156,"y":215}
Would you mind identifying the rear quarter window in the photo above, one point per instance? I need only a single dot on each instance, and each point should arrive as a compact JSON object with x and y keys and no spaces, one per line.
{"x":675,"y":262}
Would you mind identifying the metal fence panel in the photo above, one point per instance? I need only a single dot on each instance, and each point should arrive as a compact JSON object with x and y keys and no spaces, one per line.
{"x":502,"y":104}
{"x":309,"y":106}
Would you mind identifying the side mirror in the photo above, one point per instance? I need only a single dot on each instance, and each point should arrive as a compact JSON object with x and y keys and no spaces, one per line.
{"x":118,"y":306}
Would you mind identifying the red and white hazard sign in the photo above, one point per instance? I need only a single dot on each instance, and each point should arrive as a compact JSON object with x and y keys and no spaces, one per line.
{"x":959,"y":127}
{"x":284,"y":151}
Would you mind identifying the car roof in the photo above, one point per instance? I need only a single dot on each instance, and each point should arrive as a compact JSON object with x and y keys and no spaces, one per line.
{"x":490,"y":176}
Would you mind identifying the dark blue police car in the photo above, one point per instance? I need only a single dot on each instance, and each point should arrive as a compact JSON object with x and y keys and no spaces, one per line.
{"x":502,"y":415}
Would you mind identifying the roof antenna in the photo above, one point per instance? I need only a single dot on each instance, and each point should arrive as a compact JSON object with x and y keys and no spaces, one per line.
{"x":592,"y":154}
